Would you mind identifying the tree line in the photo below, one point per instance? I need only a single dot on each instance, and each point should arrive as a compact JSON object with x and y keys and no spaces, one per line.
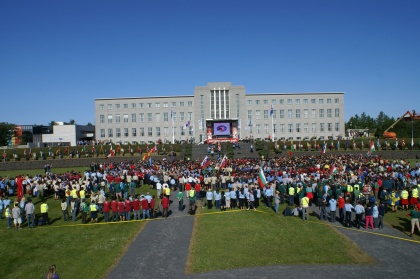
{"x":382,"y":122}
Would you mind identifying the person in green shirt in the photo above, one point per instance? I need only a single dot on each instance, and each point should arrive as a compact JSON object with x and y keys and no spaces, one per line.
{"x":415,"y":217}
{"x":339,"y":191}
{"x":180,"y":198}
{"x":125,"y":187}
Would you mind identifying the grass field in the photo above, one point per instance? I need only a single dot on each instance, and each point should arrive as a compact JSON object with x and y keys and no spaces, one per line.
{"x":79,"y":251}
{"x":15,"y":173}
{"x":248,"y":238}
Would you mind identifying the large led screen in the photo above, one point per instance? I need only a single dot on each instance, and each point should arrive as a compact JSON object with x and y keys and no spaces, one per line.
{"x":221,"y":129}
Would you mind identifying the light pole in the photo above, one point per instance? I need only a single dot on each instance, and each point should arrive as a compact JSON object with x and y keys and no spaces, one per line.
{"x":412,"y":134}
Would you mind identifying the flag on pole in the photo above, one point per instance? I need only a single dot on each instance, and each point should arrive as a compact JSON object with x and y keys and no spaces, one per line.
{"x":219,"y":146}
{"x":200,"y":124}
{"x":66,"y":150}
{"x":223,"y":162}
{"x":172,"y":113}
{"x":261,"y":179}
{"x":205,"y":162}
{"x":324,"y":148}
{"x":187,"y":124}
{"x":396,"y":142}
{"x":271,"y":110}
{"x":334,"y":170}
{"x":372,"y":147}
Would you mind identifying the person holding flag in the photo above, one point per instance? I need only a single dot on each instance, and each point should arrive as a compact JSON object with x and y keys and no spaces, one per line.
{"x":262,"y":181}
{"x":372,"y":147}
{"x":205,"y":162}
{"x":324,"y":148}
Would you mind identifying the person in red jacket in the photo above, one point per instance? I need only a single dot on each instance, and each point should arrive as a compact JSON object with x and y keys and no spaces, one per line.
{"x":145,"y":206}
{"x":136,"y":208}
{"x":127,"y":209}
{"x":341,"y":203}
{"x":165,"y":206}
{"x":152,"y":207}
{"x":106,"y":209}
{"x":121,"y":210}
{"x":114,"y":208}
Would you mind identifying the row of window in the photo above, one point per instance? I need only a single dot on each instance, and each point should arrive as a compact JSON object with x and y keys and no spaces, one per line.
{"x":298,"y":113}
{"x":249,"y":103}
{"x":298,"y":128}
{"x":142,"y":132}
{"x":183,"y":131}
{"x":146,"y":105}
{"x":290,"y":101}
{"x":142,"y":117}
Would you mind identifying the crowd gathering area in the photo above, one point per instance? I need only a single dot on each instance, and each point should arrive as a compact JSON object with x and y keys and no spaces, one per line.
{"x":352,"y":189}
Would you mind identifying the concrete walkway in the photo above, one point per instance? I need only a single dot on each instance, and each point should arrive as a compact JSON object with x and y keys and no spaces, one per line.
{"x":161,"y":250}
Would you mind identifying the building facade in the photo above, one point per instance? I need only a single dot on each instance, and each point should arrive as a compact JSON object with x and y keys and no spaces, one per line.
{"x":220,"y":110}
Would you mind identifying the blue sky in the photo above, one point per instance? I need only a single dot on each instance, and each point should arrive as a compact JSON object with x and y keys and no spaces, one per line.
{"x":56,"y":57}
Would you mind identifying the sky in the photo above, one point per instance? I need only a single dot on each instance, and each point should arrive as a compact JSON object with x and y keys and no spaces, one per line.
{"x":56,"y":57}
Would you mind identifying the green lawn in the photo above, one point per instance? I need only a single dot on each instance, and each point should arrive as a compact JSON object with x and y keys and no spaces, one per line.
{"x":15,"y":173}
{"x":79,"y":251}
{"x":399,"y":221}
{"x":249,"y":238}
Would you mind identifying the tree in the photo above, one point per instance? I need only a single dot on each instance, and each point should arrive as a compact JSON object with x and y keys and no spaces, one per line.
{"x":52,"y":123}
{"x":72,"y":122}
{"x":90,"y":124}
{"x":6,"y":130}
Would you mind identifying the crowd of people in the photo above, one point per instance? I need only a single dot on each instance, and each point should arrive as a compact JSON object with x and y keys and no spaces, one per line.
{"x":356,"y":185}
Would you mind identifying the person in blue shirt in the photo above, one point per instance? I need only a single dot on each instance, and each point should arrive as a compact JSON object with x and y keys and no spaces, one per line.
{"x":333,"y":208}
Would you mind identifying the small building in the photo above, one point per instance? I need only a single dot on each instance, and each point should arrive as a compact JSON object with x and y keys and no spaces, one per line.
{"x":62,"y":134}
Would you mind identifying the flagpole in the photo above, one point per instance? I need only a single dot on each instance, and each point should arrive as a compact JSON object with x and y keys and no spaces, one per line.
{"x":173,"y":131}
{"x":272,"y":126}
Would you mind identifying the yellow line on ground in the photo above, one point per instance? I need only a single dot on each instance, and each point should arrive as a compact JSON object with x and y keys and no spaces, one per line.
{"x":358,"y":230}
{"x":132,"y":221}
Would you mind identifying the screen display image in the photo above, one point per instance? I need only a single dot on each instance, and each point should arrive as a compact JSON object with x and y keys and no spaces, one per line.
{"x":221,"y":129}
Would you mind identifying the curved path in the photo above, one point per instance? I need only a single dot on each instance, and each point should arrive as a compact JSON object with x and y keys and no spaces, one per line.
{"x":161,"y":250}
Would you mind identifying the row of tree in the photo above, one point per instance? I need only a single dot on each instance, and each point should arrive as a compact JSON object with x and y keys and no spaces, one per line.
{"x":381,"y":123}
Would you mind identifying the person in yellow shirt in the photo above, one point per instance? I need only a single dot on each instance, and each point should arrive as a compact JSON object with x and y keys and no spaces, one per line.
{"x":167,"y":192}
{"x":304,"y":203}
{"x":44,"y":213}
{"x":414,"y":200}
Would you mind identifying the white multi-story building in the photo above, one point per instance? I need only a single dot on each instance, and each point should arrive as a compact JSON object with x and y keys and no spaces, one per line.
{"x":220,"y":111}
